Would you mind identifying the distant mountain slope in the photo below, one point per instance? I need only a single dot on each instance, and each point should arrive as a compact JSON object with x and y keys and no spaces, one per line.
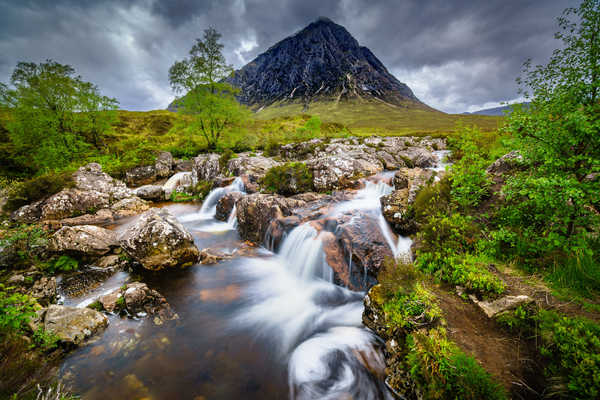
{"x":321,"y":62}
{"x":496,"y":111}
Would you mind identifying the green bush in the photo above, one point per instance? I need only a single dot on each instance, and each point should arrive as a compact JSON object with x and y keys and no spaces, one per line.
{"x":227,"y":155}
{"x":22,"y":245}
{"x":15,"y":309}
{"x":442,"y":371}
{"x":289,"y":179}
{"x":63,"y":263}
{"x":37,"y":188}
{"x":412,"y":310}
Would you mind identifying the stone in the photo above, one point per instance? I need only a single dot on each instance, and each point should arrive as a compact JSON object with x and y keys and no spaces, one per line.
{"x":138,"y":300}
{"x":16,"y":279}
{"x":256,"y":211}
{"x":142,"y":175}
{"x":506,"y":303}
{"x":158,"y":240}
{"x":418,"y":156}
{"x":44,"y":290}
{"x":395,"y":210}
{"x":29,"y":213}
{"x":70,"y":202}
{"x":183,"y":165}
{"x":336,"y":172}
{"x":206,"y":167}
{"x":212,"y":256}
{"x":255,"y":167}
{"x":101,"y":217}
{"x":111,"y":261}
{"x":84,"y":239}
{"x":181,"y":182}
{"x":73,"y":325}
{"x":129,"y":206}
{"x":506,"y":163}
{"x":163,"y":164}
{"x":91,"y":178}
{"x":225,"y":205}
{"x":150,"y":192}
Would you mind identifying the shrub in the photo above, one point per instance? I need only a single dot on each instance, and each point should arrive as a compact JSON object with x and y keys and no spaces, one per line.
{"x":442,"y":371}
{"x":22,"y":244}
{"x":227,"y":155}
{"x":412,"y":310}
{"x":15,"y":309}
{"x":63,"y":263}
{"x":272,"y":148}
{"x":289,"y":179}
{"x":37,"y":188}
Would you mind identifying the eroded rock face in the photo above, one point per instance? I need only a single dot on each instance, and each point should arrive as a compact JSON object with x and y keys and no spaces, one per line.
{"x":91,"y":178}
{"x":102,"y":217}
{"x":73,"y":201}
{"x":73,"y":325}
{"x":225,"y":205}
{"x":256,"y":167}
{"x":150,"y":192}
{"x":336,"y":172}
{"x":85,"y":240}
{"x":157,"y":240}
{"x":129,"y":206}
{"x":143,"y":175}
{"x":206,"y":167}
{"x":256,"y":211}
{"x":163,"y":164}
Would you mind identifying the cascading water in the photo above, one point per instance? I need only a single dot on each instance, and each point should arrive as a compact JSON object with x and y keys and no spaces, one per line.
{"x":303,"y":252}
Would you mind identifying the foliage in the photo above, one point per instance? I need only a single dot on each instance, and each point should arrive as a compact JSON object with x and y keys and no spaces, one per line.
{"x":289,"y":179}
{"x":37,"y":188}
{"x":208,"y":98}
{"x":15,"y":309}
{"x":63,"y":263}
{"x":203,"y":188}
{"x":22,"y":244}
{"x":443,"y":371}
{"x":56,"y":116}
{"x":412,"y":310}
{"x":44,"y":340}
{"x":227,"y":155}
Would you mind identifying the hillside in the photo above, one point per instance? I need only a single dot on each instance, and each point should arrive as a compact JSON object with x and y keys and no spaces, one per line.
{"x":496,"y":111}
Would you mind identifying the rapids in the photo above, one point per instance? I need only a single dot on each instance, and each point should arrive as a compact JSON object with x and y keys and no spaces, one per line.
{"x":269,"y":325}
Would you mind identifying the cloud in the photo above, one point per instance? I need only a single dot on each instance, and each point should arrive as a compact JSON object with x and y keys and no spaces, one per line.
{"x":454,"y":55}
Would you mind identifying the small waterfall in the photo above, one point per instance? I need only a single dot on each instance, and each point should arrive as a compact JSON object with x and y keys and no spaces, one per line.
{"x":302,"y":251}
{"x":232,"y":220}
{"x":209,"y":206}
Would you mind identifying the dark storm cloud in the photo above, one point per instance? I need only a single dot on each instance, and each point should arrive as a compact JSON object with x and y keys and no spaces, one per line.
{"x":455,"y":55}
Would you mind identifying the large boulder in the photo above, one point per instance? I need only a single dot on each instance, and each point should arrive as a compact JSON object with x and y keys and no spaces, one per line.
{"x":143,"y":175}
{"x":506,"y":163}
{"x":101,"y":217}
{"x":336,"y":172}
{"x":255,"y":167}
{"x":419,"y":157}
{"x":206,"y":167}
{"x":395,"y":210}
{"x":73,"y":325}
{"x":91,"y":178}
{"x":85,"y":240}
{"x":225,"y":205}
{"x":129,"y":206}
{"x":163,"y":164}
{"x":256,"y":211}
{"x":150,"y":192}
{"x":158,"y":240}
{"x":413,"y":179}
{"x":70,"y":202}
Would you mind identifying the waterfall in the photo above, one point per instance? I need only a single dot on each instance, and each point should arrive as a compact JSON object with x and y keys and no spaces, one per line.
{"x":232,"y":220}
{"x":209,"y":206}
{"x":302,"y":252}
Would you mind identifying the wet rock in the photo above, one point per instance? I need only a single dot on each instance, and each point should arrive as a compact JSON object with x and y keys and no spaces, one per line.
{"x":181,"y":182}
{"x":28,"y":213}
{"x":506,"y":163}
{"x":506,"y":303}
{"x":225,"y":205}
{"x":85,"y":279}
{"x":112,"y":261}
{"x":91,"y":178}
{"x":129,"y":206}
{"x":150,"y":192}
{"x":85,"y":240}
{"x":212,"y":256}
{"x":256,"y":167}
{"x":138,"y":299}
{"x":335,"y":172}
{"x":70,"y":202}
{"x":73,"y":325}
{"x":419,"y":157}
{"x":256,"y":211}
{"x":102,"y":217}
{"x":395,"y":210}
{"x":157,"y":240}
{"x":206,"y":167}
{"x":44,"y":290}
{"x":143,"y":175}
{"x":163,"y":164}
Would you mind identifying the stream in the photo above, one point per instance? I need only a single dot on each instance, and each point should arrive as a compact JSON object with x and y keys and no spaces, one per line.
{"x":269,"y":324}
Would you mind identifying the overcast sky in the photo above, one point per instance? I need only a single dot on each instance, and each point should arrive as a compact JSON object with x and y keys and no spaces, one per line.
{"x":456,"y":55}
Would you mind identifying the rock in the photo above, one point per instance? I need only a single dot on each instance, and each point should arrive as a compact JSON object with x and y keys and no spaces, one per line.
{"x":73,"y":325}
{"x":16,"y":279}
{"x":181,"y":182}
{"x":28,"y":213}
{"x":395,"y":210}
{"x":256,"y":211}
{"x":183,"y":165}
{"x":300,"y":150}
{"x":418,"y":157}
{"x":150,"y":192}
{"x":206,"y":167}
{"x":163,"y":164}
{"x":493,"y":308}
{"x":102,"y":217}
{"x":69,"y":202}
{"x":129,"y":206}
{"x":110,"y":302}
{"x":91,"y":178}
{"x":85,"y":239}
{"x":44,"y":290}
{"x":112,"y":261}
{"x":138,"y":300}
{"x":335,"y":172}
{"x":212,"y":256}
{"x":255,"y":167}
{"x":139,"y":176}
{"x":506,"y":163}
{"x":157,"y":240}
{"x":225,"y":205}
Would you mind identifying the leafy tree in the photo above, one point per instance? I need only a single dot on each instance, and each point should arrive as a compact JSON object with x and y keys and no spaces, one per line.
{"x":208,"y":98}
{"x":55,"y":114}
{"x":554,"y":204}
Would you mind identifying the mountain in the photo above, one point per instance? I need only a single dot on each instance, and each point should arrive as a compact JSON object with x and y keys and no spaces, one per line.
{"x":497,"y":111}
{"x":322,"y":62}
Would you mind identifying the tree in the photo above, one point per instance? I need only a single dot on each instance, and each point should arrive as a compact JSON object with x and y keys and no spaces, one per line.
{"x":55,"y":115}
{"x":208,"y":98}
{"x":555,"y":201}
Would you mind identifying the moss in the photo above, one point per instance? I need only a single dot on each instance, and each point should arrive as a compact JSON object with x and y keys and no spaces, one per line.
{"x":96,"y":305}
{"x":289,"y":179}
{"x":227,"y":155}
{"x":120,"y":304}
{"x":202,"y":188}
{"x":37,"y":188}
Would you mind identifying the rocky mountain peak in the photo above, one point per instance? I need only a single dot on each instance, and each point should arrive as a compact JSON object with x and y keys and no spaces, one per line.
{"x":323,"y":61}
